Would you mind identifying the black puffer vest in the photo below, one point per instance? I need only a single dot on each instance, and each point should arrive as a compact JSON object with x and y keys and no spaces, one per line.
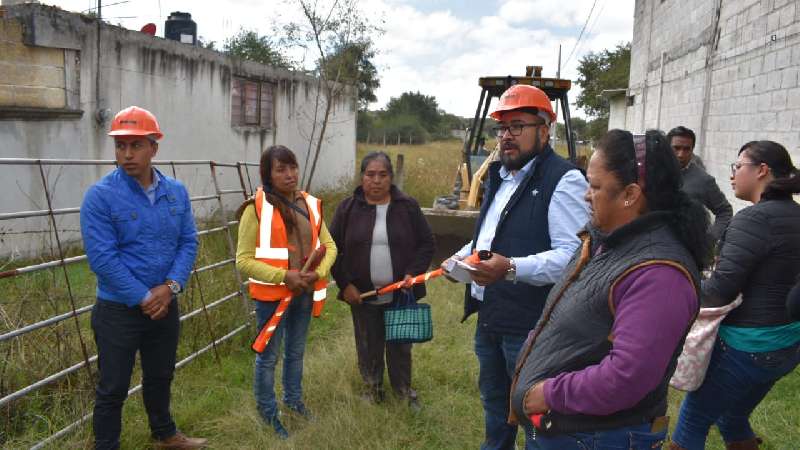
{"x":574,"y":331}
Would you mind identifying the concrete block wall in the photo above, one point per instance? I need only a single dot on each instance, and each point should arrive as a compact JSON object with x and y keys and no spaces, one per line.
{"x":29,"y":76}
{"x":676,"y":30}
{"x":732,"y":80}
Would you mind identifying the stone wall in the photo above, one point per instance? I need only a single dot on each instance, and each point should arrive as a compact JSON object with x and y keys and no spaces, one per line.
{"x":32,"y":76}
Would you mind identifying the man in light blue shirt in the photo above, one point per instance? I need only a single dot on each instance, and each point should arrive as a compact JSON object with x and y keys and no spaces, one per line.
{"x":532,"y":210}
{"x":567,"y":212}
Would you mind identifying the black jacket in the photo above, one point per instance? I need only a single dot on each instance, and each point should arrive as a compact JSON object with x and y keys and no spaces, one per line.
{"x":410,"y":240}
{"x":759,"y":258}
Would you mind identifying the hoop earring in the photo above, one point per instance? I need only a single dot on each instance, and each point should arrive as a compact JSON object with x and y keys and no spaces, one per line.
{"x":627,"y":203}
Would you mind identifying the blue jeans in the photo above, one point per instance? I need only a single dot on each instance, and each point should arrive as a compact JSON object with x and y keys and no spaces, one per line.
{"x":638,"y":437}
{"x":735,"y":384}
{"x":120,"y":332}
{"x":292,"y":329}
{"x":497,"y":357}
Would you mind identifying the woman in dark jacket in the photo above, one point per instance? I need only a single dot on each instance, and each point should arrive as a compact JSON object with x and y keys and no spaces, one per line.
{"x":595,"y":370}
{"x":758,"y":342}
{"x":382,"y":237}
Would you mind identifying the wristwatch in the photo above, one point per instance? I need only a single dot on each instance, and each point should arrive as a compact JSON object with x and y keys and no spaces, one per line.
{"x":511,"y":273}
{"x":174,"y":286}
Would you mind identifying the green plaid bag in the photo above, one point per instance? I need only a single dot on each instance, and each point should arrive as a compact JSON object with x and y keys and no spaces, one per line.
{"x":407,"y":321}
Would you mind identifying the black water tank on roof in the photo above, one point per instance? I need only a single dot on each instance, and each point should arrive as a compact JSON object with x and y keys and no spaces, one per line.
{"x":180,"y":27}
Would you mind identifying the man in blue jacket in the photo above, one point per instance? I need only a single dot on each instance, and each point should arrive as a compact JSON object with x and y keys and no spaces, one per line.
{"x":141,"y":242}
{"x":532,"y":210}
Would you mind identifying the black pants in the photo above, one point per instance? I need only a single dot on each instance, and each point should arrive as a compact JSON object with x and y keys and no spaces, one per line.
{"x":119,"y":332}
{"x":370,"y":347}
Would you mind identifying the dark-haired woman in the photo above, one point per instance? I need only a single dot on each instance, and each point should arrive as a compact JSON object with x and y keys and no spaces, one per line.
{"x":758,"y":342}
{"x":597,"y":365}
{"x":278,"y":230}
{"x":383,"y":237}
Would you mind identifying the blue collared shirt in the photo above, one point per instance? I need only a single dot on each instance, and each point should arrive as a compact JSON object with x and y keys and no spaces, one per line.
{"x":134,"y":243}
{"x":150,"y":192}
{"x":567,"y":214}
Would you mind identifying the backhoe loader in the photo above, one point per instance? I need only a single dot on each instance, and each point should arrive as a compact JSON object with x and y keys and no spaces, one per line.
{"x":452,"y":217}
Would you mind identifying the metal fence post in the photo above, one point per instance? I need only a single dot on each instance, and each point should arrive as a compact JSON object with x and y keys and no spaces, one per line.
{"x":66,"y":273}
{"x":231,"y":247}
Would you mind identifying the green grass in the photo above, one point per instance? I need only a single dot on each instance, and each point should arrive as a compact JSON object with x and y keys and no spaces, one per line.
{"x":32,"y":297}
{"x":216,"y":401}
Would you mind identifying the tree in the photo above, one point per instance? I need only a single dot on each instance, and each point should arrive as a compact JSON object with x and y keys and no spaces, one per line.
{"x":579,"y":129}
{"x":210,"y":45}
{"x":327,"y":28}
{"x":414,"y":116}
{"x":448,"y":122}
{"x":365,"y":124}
{"x":598,"y":71}
{"x":249,"y":45}
{"x":401,"y":127}
{"x":424,"y":107}
{"x":596,"y":128}
{"x":354,"y":61}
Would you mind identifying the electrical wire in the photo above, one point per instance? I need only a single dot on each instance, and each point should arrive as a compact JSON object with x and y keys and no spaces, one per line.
{"x":580,"y":36}
{"x":110,"y":4}
{"x":591,"y":27}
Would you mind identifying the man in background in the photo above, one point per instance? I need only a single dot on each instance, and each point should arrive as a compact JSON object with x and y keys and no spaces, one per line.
{"x":697,"y":183}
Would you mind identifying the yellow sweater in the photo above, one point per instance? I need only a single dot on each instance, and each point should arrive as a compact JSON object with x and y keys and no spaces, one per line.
{"x":250,"y":267}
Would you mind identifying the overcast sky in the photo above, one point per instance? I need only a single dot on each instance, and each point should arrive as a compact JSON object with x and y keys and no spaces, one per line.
{"x":436,"y":47}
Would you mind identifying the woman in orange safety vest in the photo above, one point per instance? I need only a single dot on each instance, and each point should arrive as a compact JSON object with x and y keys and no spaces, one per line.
{"x":278,"y":230}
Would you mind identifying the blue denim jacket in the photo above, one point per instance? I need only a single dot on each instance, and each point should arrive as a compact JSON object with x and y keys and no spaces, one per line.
{"x":133,"y":245}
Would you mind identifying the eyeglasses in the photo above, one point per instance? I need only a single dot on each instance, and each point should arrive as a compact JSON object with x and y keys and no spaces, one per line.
{"x":514,"y":129}
{"x":738,"y":165}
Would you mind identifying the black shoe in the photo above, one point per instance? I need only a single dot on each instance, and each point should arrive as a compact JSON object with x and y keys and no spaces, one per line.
{"x":300,"y":409}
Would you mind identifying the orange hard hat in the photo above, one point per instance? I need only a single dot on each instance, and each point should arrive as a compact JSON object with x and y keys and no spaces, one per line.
{"x":135,"y":121}
{"x":521,"y":96}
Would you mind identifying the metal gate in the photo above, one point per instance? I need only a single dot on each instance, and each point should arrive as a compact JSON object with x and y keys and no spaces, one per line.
{"x":14,"y":332}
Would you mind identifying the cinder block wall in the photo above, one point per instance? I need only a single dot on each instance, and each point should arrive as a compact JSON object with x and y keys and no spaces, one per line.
{"x":731,"y":74}
{"x":29,"y":76}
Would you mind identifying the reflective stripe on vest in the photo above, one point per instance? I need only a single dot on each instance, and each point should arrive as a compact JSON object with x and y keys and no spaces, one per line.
{"x":272,"y":247}
{"x":264,"y":249}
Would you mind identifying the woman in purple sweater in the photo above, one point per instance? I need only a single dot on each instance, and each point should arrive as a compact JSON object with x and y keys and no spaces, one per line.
{"x":594,"y":373}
